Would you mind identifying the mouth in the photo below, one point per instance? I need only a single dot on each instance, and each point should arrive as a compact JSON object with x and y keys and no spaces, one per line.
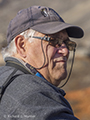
{"x":64,"y":59}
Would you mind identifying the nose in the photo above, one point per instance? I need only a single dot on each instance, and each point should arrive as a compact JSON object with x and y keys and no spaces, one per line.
{"x":63,"y":50}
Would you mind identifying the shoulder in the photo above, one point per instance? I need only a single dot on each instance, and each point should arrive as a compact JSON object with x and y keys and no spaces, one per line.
{"x":31,"y":96}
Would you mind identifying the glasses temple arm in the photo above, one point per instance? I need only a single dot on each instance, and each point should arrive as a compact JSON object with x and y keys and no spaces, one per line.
{"x":42,"y":38}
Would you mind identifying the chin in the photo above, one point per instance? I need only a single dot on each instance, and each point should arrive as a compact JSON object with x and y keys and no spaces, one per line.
{"x":59,"y":80}
{"x":62,"y":77}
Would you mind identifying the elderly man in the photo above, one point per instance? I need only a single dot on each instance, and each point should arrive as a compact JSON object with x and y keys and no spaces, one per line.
{"x":36,"y":63}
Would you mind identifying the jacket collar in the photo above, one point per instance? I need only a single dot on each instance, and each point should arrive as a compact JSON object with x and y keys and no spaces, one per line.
{"x":14,"y":62}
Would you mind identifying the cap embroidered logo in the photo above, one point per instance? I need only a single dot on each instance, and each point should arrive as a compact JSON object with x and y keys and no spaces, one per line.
{"x":44,"y":12}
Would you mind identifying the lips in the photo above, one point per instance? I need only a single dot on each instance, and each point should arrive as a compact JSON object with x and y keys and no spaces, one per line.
{"x":60,"y":59}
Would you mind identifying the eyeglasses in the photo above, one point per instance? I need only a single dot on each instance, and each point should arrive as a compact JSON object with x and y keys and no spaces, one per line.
{"x":71,"y":45}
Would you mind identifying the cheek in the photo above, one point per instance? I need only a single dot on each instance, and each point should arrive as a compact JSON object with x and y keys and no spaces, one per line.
{"x":50,"y":55}
{"x":50,"y":52}
{"x":34,"y":52}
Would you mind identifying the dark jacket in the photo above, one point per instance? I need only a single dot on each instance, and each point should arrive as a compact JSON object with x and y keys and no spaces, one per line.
{"x":29,"y":97}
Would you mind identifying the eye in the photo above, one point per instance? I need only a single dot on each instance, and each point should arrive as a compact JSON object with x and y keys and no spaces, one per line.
{"x":52,"y":41}
{"x":56,"y":42}
{"x":71,"y":45}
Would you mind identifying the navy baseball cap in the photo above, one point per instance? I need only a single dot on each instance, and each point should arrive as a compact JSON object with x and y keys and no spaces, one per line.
{"x":42,"y":19}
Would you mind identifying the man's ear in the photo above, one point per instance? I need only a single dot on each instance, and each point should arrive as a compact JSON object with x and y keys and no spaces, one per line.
{"x":20,"y":43}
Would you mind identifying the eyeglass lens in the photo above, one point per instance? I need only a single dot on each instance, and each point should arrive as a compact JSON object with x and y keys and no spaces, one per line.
{"x":71,"y":45}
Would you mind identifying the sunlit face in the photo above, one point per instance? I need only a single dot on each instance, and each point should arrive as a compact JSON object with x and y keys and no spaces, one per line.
{"x":55,"y":69}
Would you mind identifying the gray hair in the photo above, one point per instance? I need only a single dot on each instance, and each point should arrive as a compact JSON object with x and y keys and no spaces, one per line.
{"x":10,"y":50}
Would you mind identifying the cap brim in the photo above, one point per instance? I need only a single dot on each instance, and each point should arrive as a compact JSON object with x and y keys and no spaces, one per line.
{"x":54,"y":27}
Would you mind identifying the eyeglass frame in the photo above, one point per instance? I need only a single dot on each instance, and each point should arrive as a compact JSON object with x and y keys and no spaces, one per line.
{"x":71,"y":45}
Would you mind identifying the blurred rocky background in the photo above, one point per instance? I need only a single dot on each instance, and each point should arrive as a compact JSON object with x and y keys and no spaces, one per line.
{"x":76,"y":12}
